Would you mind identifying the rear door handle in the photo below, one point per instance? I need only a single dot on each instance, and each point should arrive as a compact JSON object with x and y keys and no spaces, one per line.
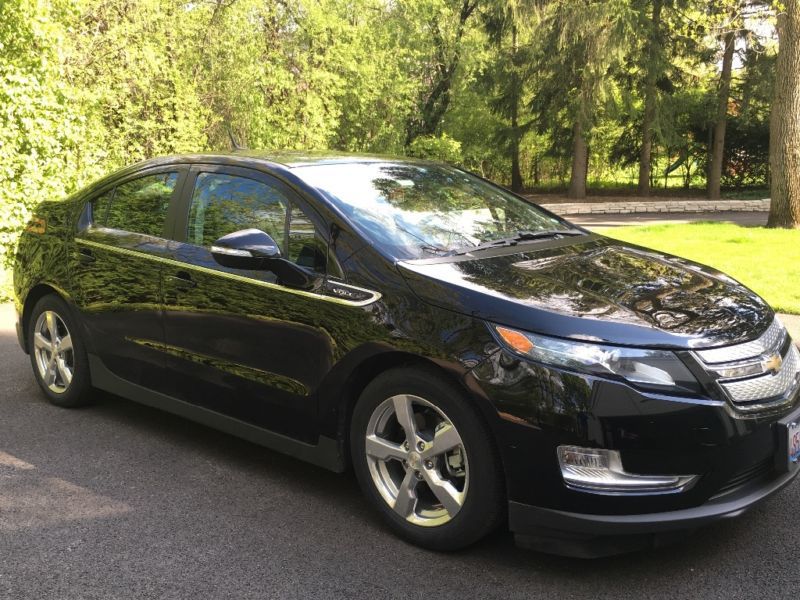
{"x":181,"y":280}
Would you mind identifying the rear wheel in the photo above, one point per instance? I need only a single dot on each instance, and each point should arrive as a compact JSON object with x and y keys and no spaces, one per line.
{"x":424,"y":458}
{"x":58,"y":356}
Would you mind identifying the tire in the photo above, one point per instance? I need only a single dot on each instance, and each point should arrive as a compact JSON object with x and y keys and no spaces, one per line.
{"x":51,"y":373}
{"x":441,"y":501}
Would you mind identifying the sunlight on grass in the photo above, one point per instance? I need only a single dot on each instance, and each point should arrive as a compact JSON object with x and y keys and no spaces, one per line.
{"x":765,"y":260}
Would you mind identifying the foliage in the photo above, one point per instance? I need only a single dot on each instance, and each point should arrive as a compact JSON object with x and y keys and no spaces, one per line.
{"x":436,"y":148}
{"x":87,"y":86}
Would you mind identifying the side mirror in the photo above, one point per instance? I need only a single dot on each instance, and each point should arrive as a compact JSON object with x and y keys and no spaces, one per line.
{"x":245,"y":249}
{"x":256,"y":250}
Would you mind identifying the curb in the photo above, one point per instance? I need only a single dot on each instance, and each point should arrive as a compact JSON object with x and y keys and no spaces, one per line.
{"x":674,"y":206}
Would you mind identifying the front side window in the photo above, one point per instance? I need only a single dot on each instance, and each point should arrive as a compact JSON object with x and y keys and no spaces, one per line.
{"x":413,"y":210}
{"x":139,"y":205}
{"x":222,"y":204}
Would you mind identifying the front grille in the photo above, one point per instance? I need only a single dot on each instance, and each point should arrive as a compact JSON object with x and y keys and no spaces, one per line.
{"x":746,"y":475}
{"x":771,"y":339}
{"x":746,"y":375}
{"x":766,"y":387}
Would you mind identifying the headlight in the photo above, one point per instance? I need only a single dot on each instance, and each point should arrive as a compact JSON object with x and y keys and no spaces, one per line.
{"x":654,"y":369}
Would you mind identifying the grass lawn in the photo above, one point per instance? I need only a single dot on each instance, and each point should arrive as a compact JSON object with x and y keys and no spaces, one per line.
{"x":765,"y":260}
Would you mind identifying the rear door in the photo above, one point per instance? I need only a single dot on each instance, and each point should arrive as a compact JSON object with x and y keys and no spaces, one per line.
{"x":239,"y":342}
{"x":117,"y":266}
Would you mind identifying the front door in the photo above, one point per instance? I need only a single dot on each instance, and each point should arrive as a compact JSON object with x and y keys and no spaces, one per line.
{"x":238,"y":342}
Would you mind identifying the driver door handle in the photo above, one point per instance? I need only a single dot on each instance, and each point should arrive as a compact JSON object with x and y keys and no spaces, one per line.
{"x":181,"y":280}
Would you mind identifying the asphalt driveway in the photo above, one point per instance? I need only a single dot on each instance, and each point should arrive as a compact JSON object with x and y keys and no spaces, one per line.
{"x":123,"y":501}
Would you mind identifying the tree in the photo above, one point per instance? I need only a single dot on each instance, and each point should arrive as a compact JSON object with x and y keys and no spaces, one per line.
{"x":723,"y":97}
{"x":41,"y":127}
{"x":784,"y":146}
{"x":508,"y":74}
{"x":440,"y":70}
{"x":653,"y":69}
{"x":583,"y":42}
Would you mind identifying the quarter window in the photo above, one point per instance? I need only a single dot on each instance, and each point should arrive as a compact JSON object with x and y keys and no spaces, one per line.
{"x":100,"y":208}
{"x":306,"y":247}
{"x":139,"y":205}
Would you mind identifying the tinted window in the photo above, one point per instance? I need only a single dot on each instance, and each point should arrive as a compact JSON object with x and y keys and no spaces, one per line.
{"x":140,"y":205}
{"x":222,"y":204}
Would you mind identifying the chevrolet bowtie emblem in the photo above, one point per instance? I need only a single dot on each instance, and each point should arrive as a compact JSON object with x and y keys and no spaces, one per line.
{"x":772,"y":364}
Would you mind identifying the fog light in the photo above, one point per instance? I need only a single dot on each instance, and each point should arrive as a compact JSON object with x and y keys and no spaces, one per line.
{"x":600,"y":471}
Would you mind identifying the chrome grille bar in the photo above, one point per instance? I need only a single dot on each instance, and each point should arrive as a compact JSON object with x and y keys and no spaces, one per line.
{"x":759,"y":375}
{"x":770,"y":340}
{"x":767,"y":387}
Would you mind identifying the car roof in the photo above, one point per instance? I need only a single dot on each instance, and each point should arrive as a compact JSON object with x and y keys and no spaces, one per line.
{"x":287,"y":159}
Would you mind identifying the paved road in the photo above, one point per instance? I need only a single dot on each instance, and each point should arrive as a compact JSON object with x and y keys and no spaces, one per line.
{"x":122,"y":501}
{"x":741,"y":218}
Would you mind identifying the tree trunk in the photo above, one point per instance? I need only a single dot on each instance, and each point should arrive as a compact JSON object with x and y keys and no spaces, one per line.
{"x":536,"y":170}
{"x":429,"y":115}
{"x":718,"y":144}
{"x":516,"y":174}
{"x":580,"y":163}
{"x":653,"y":47}
{"x":784,"y":124}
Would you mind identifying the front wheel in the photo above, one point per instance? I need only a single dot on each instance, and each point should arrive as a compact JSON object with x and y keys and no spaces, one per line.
{"x":58,"y":357}
{"x":424,"y":458}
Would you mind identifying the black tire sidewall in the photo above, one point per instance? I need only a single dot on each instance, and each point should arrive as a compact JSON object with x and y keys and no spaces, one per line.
{"x":482,"y":507}
{"x":77,"y":393}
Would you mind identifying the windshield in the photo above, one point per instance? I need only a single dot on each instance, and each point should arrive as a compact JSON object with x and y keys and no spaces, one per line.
{"x":424,"y":210}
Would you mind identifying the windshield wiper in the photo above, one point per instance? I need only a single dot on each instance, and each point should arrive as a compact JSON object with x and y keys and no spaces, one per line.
{"x":521,"y":236}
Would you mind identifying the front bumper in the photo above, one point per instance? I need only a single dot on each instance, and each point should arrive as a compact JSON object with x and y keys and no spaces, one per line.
{"x":588,"y":535}
{"x":740,"y":461}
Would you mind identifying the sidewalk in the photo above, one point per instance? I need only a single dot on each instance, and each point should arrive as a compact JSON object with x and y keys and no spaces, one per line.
{"x":652,"y":205}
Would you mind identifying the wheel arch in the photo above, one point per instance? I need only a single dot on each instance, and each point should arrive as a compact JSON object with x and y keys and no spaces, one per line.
{"x":373,"y":366}
{"x":36,"y":293}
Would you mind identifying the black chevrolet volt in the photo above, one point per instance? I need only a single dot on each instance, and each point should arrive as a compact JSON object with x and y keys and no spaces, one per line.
{"x":476,"y":360}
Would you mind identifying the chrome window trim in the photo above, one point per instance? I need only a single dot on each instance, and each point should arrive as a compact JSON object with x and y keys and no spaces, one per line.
{"x":374,"y":296}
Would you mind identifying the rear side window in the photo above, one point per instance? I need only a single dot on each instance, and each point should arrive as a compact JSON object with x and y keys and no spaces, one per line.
{"x":139,"y":205}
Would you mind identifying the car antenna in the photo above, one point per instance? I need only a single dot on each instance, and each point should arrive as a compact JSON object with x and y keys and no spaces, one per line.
{"x":234,"y":142}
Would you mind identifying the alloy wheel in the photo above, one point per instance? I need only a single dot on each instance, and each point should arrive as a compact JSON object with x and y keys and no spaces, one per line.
{"x":52,"y":346}
{"x":417,"y":460}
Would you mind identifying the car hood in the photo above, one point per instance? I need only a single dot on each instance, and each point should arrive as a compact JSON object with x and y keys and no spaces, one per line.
{"x":594,"y":288}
